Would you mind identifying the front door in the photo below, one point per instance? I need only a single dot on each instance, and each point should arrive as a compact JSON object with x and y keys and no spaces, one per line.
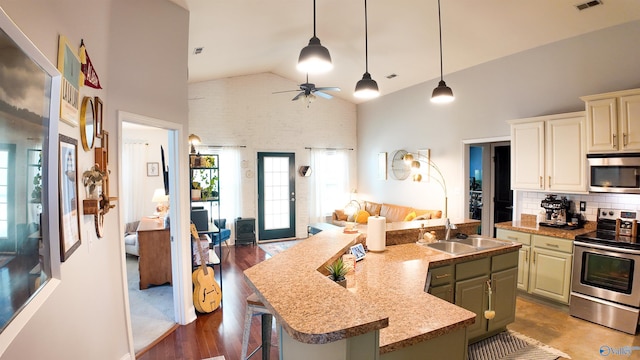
{"x":276,"y":196}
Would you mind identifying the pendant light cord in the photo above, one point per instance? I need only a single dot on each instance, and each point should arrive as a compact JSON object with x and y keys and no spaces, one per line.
{"x":440,"y":31}
{"x":314,"y":18}
{"x":366,"y":39}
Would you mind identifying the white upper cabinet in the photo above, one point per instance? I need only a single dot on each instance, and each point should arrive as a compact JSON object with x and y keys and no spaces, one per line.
{"x":613,"y":121}
{"x":548,"y":153}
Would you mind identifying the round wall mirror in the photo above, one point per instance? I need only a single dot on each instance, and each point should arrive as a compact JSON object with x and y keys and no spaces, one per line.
{"x":399,"y":169}
{"x":87,"y":123}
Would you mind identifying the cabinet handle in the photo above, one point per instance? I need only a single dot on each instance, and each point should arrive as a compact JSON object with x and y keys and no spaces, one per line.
{"x":442,"y":276}
{"x":553,"y":245}
{"x":526,"y":256}
{"x":613,"y":140}
{"x":533,"y":257}
{"x":549,"y":181}
{"x":624,"y":140}
{"x":541,"y":182}
{"x":514,"y":238}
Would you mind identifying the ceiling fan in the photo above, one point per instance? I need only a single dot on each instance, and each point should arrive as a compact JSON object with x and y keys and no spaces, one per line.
{"x":309,"y":90}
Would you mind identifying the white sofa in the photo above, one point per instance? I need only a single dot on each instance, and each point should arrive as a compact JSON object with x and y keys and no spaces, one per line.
{"x":131,"y":238}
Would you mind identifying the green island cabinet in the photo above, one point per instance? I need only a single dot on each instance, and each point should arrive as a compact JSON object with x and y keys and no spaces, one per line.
{"x":544,"y":264}
{"x":466,"y":284}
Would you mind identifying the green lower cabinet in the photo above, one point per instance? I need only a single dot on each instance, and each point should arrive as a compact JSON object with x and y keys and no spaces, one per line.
{"x":471,"y":294}
{"x":503,"y":300}
{"x":551,"y":275}
{"x":444,"y":292}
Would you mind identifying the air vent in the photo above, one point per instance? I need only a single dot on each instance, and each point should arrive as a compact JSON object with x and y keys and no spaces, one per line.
{"x":391,"y":76}
{"x":588,"y":4}
{"x":198,"y":50}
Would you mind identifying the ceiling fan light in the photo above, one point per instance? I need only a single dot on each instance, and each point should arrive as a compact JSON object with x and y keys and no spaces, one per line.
{"x":367,"y":88}
{"x":442,"y":93}
{"x":314,"y":58}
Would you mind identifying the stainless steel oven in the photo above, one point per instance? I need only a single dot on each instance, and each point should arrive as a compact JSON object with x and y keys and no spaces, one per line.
{"x":605,"y":286}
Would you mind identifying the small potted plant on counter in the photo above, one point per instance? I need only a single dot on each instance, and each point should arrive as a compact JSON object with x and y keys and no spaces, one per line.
{"x":337,"y":271}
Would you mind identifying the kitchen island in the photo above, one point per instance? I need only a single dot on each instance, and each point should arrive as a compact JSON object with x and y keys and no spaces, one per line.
{"x":384,"y":313}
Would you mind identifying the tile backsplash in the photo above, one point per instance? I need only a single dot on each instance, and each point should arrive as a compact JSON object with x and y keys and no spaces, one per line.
{"x":528,"y":202}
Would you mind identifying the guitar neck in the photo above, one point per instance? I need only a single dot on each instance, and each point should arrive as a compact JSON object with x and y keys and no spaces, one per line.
{"x":203,"y":261}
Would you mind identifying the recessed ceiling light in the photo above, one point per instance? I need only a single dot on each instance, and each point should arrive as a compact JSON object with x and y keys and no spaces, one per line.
{"x":198,"y":50}
{"x":391,"y":76}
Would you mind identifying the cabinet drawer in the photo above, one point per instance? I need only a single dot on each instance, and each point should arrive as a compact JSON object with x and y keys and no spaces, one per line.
{"x":441,"y":275}
{"x":471,"y":269}
{"x":511,"y":235}
{"x":504,"y":261}
{"x":553,"y":243}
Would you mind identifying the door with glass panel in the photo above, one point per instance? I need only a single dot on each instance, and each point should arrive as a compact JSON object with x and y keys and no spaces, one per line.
{"x":276,"y":196}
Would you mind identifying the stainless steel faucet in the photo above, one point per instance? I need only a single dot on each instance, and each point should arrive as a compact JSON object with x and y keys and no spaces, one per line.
{"x":448,"y":226}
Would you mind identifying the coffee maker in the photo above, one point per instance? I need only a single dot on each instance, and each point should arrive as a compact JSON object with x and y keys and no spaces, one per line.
{"x":557,"y":210}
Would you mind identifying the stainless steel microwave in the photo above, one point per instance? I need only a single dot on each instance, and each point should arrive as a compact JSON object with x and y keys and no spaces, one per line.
{"x":614,"y":173}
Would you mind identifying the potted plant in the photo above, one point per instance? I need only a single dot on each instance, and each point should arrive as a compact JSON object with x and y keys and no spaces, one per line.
{"x":337,"y":271}
{"x":196,"y":191}
{"x":92,"y":179}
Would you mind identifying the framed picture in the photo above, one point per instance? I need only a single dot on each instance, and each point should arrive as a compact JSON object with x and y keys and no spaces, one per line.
{"x":69,"y":67}
{"x":153,"y":169}
{"x":104,"y":141}
{"x":382,"y":166}
{"x":68,"y":196}
{"x":97,"y":103}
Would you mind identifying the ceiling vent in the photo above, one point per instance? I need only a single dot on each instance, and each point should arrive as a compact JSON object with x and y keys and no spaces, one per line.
{"x":198,"y":50}
{"x":391,"y":76}
{"x":588,"y":4}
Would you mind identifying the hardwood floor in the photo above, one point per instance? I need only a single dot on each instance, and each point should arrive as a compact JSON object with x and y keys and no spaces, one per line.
{"x":220,"y":333}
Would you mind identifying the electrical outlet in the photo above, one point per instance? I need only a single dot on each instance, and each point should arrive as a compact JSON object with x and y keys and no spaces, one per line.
{"x":583,"y":206}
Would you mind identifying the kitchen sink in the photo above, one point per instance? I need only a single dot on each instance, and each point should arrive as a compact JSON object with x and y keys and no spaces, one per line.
{"x":482,"y":243}
{"x":452,"y":247}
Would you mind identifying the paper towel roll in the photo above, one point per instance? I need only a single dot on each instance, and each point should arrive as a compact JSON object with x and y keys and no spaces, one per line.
{"x":376,"y":233}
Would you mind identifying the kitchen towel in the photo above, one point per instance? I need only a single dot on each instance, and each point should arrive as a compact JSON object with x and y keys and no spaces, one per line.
{"x":376,"y":233}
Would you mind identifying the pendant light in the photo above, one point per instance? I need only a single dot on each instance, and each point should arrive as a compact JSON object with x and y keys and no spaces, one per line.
{"x":367,"y":88}
{"x":314,"y":58}
{"x":442,"y":93}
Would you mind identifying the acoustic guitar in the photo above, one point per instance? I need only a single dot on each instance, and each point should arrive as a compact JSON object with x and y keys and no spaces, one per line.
{"x":206,"y":293}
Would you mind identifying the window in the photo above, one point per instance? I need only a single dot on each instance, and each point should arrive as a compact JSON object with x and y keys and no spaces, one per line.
{"x":330,"y":178}
{"x":29,"y":83}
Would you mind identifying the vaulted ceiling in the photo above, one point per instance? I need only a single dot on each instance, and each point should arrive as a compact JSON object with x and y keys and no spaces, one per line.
{"x":245,"y":37}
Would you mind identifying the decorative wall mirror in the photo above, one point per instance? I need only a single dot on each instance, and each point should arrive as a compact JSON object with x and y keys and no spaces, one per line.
{"x":87,"y":123}
{"x":29,"y":114}
{"x":399,"y":169}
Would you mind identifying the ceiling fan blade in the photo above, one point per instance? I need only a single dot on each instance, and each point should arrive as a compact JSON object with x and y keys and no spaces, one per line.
{"x":321,"y":94}
{"x":286,"y":91}
{"x":298,"y":96}
{"x":328,"y":88}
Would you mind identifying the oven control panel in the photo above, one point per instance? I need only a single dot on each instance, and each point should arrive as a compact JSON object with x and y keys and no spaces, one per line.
{"x":626,"y":221}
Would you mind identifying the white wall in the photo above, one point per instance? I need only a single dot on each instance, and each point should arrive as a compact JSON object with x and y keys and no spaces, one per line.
{"x":243,"y":111}
{"x":131,"y":44}
{"x":541,"y":81}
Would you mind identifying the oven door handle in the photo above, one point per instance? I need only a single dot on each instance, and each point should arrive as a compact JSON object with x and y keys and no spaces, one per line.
{"x":606,"y":248}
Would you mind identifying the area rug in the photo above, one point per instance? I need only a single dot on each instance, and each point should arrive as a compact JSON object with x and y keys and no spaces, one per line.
{"x":4,"y":259}
{"x":511,"y":345}
{"x":152,"y":311}
{"x":275,"y":247}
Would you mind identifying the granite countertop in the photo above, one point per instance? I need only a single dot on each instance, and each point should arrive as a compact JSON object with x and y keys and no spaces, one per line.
{"x":534,"y":228}
{"x":386,"y":293}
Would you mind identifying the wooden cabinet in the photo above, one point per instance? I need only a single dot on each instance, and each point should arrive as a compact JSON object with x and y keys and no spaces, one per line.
{"x":548,"y":153}
{"x":613,"y":121}
{"x":551,"y":262}
{"x":467,"y":284}
{"x":154,"y":248}
{"x":544,"y":267}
